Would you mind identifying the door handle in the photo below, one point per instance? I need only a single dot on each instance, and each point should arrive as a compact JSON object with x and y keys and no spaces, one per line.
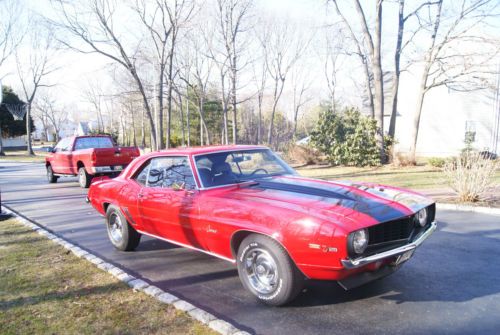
{"x":140,"y":195}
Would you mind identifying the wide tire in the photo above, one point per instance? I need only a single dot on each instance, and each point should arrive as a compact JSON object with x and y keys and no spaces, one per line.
{"x":51,"y":178}
{"x":267,"y":271}
{"x":121,"y":234}
{"x":84,"y":179}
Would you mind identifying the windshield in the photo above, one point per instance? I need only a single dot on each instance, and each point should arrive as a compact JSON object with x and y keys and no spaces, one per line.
{"x":224,"y":168}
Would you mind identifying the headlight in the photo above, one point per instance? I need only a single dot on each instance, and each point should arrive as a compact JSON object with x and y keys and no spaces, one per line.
{"x":421,"y":216}
{"x":359,"y":241}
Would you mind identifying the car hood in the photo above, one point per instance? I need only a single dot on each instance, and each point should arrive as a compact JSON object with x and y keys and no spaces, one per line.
{"x":356,"y":205}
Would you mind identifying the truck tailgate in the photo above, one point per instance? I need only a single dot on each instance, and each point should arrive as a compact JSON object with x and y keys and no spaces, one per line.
{"x":114,"y":156}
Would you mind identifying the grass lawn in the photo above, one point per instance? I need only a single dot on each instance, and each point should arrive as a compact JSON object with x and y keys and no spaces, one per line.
{"x":21,"y":156}
{"x":44,"y":289}
{"x":416,"y":177}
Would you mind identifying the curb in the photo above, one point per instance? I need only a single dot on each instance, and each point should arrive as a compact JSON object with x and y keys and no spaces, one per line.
{"x":206,"y":318}
{"x":468,"y":208}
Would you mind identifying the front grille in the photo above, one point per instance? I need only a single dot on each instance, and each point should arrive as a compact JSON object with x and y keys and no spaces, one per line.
{"x":392,"y":234}
{"x":400,"y":229}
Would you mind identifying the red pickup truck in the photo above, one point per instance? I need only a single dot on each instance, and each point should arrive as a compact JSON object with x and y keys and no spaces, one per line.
{"x":87,"y":157}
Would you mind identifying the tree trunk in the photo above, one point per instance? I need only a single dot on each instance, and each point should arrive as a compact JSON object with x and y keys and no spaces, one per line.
{"x":1,"y":137}
{"x":187,"y":119}
{"x":418,"y":112}
{"x":234,"y":101}
{"x":29,"y":149}
{"x":423,"y":85}
{"x":183,"y":139}
{"x":397,"y":71}
{"x":277,"y":95}
{"x":368,"y":86}
{"x":159,"y":121}
{"x":378,"y":82}
{"x":259,"y":122}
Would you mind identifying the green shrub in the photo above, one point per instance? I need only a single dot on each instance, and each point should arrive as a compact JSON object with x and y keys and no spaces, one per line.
{"x":437,"y":162}
{"x":347,"y":138}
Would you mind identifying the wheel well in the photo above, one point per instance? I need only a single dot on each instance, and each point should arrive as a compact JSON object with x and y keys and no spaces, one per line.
{"x":239,"y":236}
{"x":47,"y":164}
{"x":80,"y":164}
{"x":236,"y":240}
{"x":105,"y":206}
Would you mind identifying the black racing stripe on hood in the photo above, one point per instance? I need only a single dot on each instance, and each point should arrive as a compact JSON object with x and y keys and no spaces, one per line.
{"x":269,"y":185}
{"x":380,"y":211}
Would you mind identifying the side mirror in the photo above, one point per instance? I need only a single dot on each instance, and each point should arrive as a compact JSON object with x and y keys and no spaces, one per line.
{"x":179,"y":186}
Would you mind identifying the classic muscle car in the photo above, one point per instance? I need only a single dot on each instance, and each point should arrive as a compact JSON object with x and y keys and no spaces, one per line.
{"x":245,"y":205}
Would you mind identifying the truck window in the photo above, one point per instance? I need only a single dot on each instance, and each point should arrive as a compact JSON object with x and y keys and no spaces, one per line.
{"x":64,"y":145}
{"x":93,"y":142}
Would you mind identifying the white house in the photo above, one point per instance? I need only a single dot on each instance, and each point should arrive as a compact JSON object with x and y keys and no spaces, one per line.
{"x":446,"y":117}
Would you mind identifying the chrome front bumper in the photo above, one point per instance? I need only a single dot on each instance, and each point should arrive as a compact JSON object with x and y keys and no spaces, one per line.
{"x":356,"y":263}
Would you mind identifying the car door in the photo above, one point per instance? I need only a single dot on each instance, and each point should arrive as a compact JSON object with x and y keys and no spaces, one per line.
{"x":168,"y":202}
{"x":61,"y":161}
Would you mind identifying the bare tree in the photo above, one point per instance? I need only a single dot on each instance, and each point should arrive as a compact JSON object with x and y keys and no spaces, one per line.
{"x":163,"y":22}
{"x":93,"y":94}
{"x":260,"y":79}
{"x":331,"y":63}
{"x":372,"y":42}
{"x":92,"y":23}
{"x":50,"y":113}
{"x":282,"y":46}
{"x":443,"y":63}
{"x":401,"y":44}
{"x":231,"y":15}
{"x":300,"y":85}
{"x":10,"y":34}
{"x":198,"y":81}
{"x":363,"y":57}
{"x":33,"y":69}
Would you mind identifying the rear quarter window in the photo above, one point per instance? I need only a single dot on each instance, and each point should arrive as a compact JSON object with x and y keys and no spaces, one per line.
{"x":93,"y":142}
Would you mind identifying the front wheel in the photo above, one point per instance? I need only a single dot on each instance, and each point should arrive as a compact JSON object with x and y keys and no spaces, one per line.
{"x":121,"y":234}
{"x":84,"y":179}
{"x":51,"y":178}
{"x":266,"y":270}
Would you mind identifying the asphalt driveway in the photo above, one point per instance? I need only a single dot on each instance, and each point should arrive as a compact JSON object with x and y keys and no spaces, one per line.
{"x":451,"y":286}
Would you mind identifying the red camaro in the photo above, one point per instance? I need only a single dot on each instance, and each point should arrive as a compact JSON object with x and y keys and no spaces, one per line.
{"x":245,"y":205}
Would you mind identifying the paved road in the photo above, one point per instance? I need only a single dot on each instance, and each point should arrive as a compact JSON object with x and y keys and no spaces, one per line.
{"x":451,"y":286}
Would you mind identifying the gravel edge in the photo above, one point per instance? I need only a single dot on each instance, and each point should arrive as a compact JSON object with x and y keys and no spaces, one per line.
{"x":206,"y":318}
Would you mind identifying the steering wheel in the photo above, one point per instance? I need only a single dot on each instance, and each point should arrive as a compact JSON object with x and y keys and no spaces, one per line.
{"x":259,"y":169}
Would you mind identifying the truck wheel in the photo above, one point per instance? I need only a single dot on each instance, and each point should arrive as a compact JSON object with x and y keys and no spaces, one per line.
{"x":121,"y":234}
{"x":50,"y":175}
{"x":84,"y":178}
{"x":266,"y":270}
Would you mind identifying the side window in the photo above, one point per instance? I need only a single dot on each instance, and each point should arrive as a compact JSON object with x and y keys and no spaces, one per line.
{"x":142,"y":176}
{"x":167,"y":171}
{"x":63,"y":145}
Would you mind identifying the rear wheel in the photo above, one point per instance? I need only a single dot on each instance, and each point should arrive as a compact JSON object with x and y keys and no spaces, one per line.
{"x":84,"y":178}
{"x":51,"y":178}
{"x":266,"y":270}
{"x":121,"y":234}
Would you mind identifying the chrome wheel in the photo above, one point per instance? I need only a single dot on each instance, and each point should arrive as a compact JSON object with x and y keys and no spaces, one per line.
{"x":115,"y":227}
{"x":49,"y":174}
{"x":261,"y":270}
{"x":82,"y":178}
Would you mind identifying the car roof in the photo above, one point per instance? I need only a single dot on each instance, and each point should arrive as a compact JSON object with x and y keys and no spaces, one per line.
{"x":206,"y":149}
